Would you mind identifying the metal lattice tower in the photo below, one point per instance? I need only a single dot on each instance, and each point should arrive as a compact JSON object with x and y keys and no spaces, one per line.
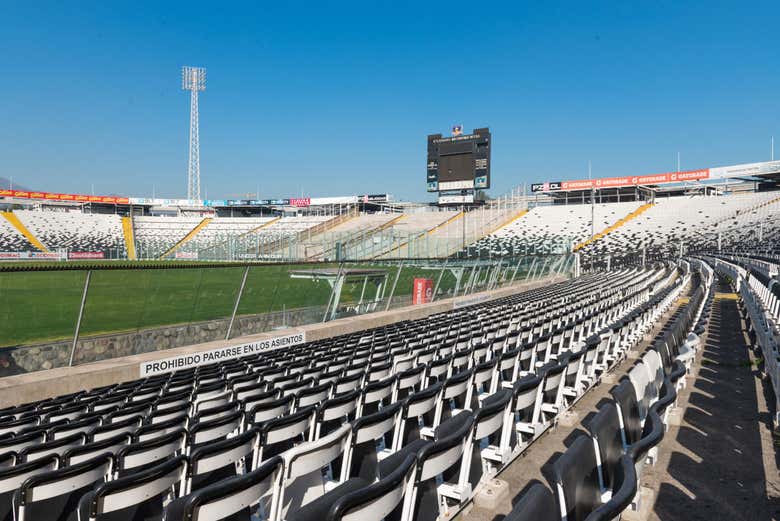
{"x":193,"y":79}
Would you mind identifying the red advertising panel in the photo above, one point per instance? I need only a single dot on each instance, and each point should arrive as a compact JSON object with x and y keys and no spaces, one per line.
{"x":86,"y":255}
{"x":422,"y":291}
{"x":50,"y":196}
{"x":620,"y":182}
{"x":300,"y":201}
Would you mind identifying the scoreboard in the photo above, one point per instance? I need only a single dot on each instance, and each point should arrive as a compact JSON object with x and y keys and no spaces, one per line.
{"x":460,"y":162}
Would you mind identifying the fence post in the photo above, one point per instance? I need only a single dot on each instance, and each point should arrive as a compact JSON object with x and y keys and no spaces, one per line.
{"x":238,"y":300}
{"x":395,"y":282}
{"x":438,"y":280}
{"x":78,"y":321}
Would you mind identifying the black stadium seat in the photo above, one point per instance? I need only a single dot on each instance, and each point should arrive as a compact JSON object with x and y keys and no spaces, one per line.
{"x":231,"y":499}
{"x":536,"y":504}
{"x":12,"y":478}
{"x":55,"y":495}
{"x":137,"y":496}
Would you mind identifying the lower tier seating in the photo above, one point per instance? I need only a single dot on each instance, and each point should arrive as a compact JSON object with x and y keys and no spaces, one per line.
{"x":406,"y":421}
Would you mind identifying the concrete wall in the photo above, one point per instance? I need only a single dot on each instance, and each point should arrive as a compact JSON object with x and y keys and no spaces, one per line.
{"x":63,"y":380}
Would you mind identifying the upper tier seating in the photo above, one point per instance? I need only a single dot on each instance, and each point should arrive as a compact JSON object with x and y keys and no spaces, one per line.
{"x":407,"y":420}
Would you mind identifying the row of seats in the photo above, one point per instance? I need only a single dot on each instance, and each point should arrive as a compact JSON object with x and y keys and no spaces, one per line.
{"x":404,"y":421}
{"x":598,"y":476}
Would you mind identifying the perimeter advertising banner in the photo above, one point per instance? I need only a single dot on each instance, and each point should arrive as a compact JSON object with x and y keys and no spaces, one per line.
{"x":86,"y":255}
{"x":422,"y":291}
{"x":32,"y":255}
{"x":50,"y":196}
{"x":621,"y":182}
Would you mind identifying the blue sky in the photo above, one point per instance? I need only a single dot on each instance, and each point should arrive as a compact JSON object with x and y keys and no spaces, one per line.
{"x":337,"y":98}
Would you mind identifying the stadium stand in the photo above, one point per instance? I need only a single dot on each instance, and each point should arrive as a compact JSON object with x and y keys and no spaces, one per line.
{"x":693,"y":221}
{"x":553,"y":228}
{"x":661,"y":228}
{"x":11,"y":240}
{"x":223,"y":228}
{"x":156,"y":235}
{"x":74,"y":231}
{"x":405,"y":421}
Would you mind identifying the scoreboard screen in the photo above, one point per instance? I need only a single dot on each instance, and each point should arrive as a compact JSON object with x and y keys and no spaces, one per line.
{"x":459,"y":162}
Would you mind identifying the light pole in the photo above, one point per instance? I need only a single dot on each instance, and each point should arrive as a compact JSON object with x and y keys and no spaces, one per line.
{"x":193,"y":79}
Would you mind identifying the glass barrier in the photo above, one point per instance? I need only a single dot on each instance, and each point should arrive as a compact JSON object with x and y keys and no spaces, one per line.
{"x":130,"y":311}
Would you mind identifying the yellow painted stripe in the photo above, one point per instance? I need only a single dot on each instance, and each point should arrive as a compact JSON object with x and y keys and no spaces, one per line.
{"x":187,"y":238}
{"x":614,"y":227}
{"x":16,"y":223}
{"x":726,"y":296}
{"x":361,"y":235}
{"x":127,"y":231}
{"x":253,"y":230}
{"x":445,"y":223}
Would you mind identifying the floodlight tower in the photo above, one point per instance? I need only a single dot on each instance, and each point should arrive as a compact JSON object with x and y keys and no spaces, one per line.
{"x":193,"y":79}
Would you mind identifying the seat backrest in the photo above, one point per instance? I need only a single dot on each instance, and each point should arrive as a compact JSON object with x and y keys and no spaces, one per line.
{"x":20,"y":442}
{"x":138,"y":495}
{"x":7,"y":459}
{"x":130,"y":425}
{"x":375,"y":393}
{"x":604,"y":427}
{"x":268,"y":410}
{"x":281,"y":433}
{"x":379,"y":499}
{"x":144,"y":454}
{"x":82,"y":425}
{"x":217,"y":460}
{"x":536,"y":504}
{"x":81,"y":453}
{"x":229,"y":497}
{"x":625,"y":398}
{"x":52,"y":447}
{"x":212,"y":430}
{"x":11,"y":478}
{"x":50,"y":494}
{"x":313,"y":395}
{"x":336,"y":411}
{"x":421,"y":402}
{"x":490,"y":417}
{"x":576,"y":478}
{"x":361,"y":457}
{"x":302,"y":479}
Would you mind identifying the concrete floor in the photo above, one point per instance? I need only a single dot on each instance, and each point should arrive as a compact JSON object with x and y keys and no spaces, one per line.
{"x":719,"y":463}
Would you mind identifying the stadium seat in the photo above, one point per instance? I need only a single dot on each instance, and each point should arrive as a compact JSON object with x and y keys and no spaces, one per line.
{"x":231,"y":499}
{"x":12,"y":478}
{"x":54,"y":495}
{"x":536,"y":504}
{"x":137,"y":496}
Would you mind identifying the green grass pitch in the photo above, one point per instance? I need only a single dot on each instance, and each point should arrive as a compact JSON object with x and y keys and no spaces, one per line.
{"x":37,"y":306}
